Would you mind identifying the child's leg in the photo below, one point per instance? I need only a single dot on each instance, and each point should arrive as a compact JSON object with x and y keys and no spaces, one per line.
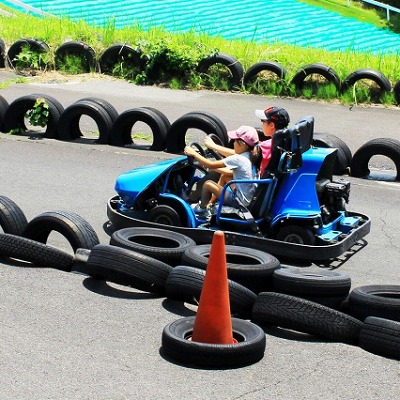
{"x":210,"y":188}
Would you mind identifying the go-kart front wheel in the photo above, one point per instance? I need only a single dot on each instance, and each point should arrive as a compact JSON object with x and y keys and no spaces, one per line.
{"x":166,"y":215}
{"x":296,"y":234}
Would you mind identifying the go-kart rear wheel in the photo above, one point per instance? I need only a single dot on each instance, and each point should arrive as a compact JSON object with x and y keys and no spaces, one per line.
{"x":165,"y":215}
{"x":296,"y":234}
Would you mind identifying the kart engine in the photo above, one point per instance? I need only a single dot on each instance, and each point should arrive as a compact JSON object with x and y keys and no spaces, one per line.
{"x":333,"y":196}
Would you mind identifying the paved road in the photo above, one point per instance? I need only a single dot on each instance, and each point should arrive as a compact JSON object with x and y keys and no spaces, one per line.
{"x":66,"y":336}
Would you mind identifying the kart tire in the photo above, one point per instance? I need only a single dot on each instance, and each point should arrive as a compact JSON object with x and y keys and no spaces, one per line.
{"x":185,"y":283}
{"x":232,"y":63}
{"x":166,"y":246}
{"x":3,"y":109}
{"x":311,"y":282}
{"x":175,"y":141}
{"x":381,"y":301}
{"x":117,"y":54}
{"x":14,"y":117}
{"x":367,"y":73}
{"x":380,"y":146}
{"x":271,"y":66}
{"x":15,"y":49}
{"x":127,"y":267}
{"x":296,"y":234}
{"x":344,"y":156}
{"x":381,"y":337}
{"x":12,"y":218}
{"x":78,"y":49}
{"x":2,"y":53}
{"x":318,"y":69}
{"x":301,"y":315}
{"x":111,"y":110}
{"x":120,"y":134}
{"x":250,"y":267}
{"x":72,"y":226}
{"x":37,"y":253}
{"x":165,"y":215}
{"x":396,"y":92}
{"x":249,"y":349}
{"x":69,"y":121}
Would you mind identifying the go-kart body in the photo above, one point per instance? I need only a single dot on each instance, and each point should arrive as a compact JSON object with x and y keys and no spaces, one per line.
{"x":297,"y":212}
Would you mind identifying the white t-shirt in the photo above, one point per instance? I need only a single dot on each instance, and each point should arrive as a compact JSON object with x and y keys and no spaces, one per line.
{"x":242,"y":168}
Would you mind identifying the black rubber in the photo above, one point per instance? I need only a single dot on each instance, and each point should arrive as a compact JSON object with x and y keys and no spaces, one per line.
{"x":185,"y":283}
{"x":165,"y":215}
{"x":2,"y":53}
{"x":3,"y":109}
{"x":222,"y":130}
{"x":318,"y":69}
{"x":263,"y":66}
{"x":387,"y":147}
{"x":165,"y":245}
{"x":14,"y":117}
{"x":305,"y":316}
{"x":249,"y":267}
{"x":311,"y":282}
{"x":175,"y":142}
{"x":69,"y":128}
{"x":396,"y":92}
{"x":12,"y":218}
{"x":232,"y":63}
{"x":375,"y":300}
{"x":367,"y":73}
{"x":35,"y":45}
{"x":111,"y":110}
{"x":127,"y":267}
{"x":72,"y":226}
{"x":249,"y":349}
{"x":344,"y":156}
{"x":37,"y":253}
{"x":381,"y":336}
{"x":120,"y":134}
{"x":76,"y":49}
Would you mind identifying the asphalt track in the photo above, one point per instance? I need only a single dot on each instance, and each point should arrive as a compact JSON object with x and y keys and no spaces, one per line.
{"x":67,"y":336}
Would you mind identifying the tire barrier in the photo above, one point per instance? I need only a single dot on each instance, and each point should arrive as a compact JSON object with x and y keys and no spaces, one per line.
{"x":233,"y":65}
{"x":120,"y":134}
{"x":3,"y":109}
{"x":12,"y":218}
{"x":263,"y":67}
{"x":15,"y":52}
{"x":2,"y":53}
{"x":79,"y":50}
{"x":315,"y":69}
{"x":396,"y":92}
{"x":380,"y":146}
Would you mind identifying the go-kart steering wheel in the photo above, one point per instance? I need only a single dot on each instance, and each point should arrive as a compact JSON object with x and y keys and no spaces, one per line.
{"x":192,"y":160}
{"x":216,"y":140}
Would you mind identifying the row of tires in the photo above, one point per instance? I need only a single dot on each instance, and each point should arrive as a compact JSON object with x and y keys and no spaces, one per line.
{"x":115,"y":129}
{"x":260,"y":289}
{"x":118,"y":53}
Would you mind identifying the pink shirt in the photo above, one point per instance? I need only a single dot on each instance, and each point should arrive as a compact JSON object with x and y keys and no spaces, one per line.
{"x":265,"y":147}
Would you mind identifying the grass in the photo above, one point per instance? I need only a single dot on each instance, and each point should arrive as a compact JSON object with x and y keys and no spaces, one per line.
{"x":172,"y":58}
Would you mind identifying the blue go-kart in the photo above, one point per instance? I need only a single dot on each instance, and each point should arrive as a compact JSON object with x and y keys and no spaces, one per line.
{"x":298,"y":211}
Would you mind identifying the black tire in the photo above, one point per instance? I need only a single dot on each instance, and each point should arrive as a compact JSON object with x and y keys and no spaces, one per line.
{"x":175,"y":142}
{"x":380,"y":146}
{"x":165,"y":215}
{"x":249,"y":349}
{"x":111,"y":110}
{"x":311,"y":282}
{"x":222,"y":130}
{"x":127,"y":267}
{"x":3,"y":109}
{"x":34,"y":252}
{"x":14,"y":117}
{"x":250,"y":267}
{"x":72,"y":226}
{"x":2,"y":53}
{"x":12,"y":218}
{"x":185,"y":283}
{"x":77,"y":49}
{"x":166,"y":246}
{"x":318,"y":69}
{"x":381,"y":301}
{"x":296,"y":234}
{"x":367,"y":73}
{"x":69,"y":121}
{"x":34,"y":45}
{"x":164,"y":118}
{"x":292,"y":312}
{"x":381,"y":336}
{"x":396,"y":92}
{"x":233,"y":64}
{"x":118,"y":54}
{"x":270,"y":66}
{"x":344,"y":156}
{"x":121,"y":130}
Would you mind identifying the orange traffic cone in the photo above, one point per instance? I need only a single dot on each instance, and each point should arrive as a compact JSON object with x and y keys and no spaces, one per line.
{"x":213,"y":323}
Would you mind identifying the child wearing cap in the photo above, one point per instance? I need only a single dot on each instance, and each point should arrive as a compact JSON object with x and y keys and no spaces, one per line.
{"x":236,"y":166}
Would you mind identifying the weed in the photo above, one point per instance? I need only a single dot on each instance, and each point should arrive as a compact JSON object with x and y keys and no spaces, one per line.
{"x":39,"y":114}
